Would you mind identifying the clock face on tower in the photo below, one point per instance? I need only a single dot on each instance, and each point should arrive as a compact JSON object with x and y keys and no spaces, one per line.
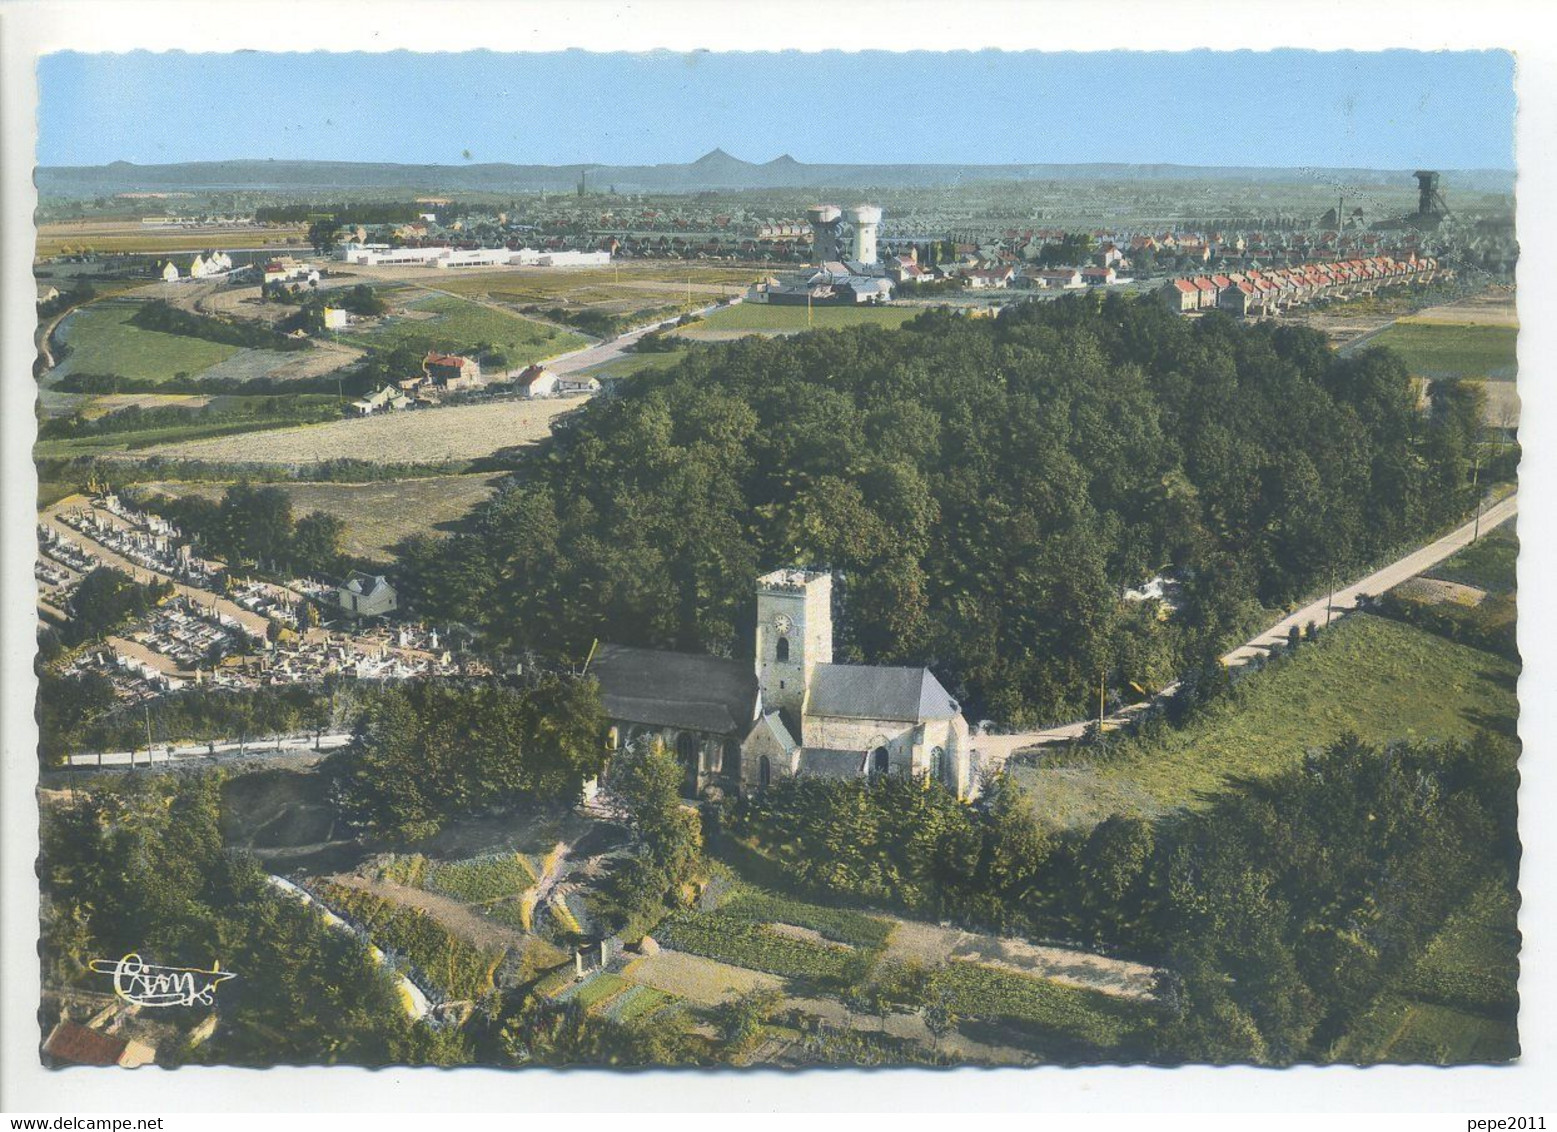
{"x":782,"y":624}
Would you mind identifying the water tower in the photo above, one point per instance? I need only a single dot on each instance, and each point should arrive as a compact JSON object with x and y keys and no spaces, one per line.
{"x":866,"y":219}
{"x":826,"y":220}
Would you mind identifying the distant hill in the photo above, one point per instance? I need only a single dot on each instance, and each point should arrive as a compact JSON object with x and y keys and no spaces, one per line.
{"x":715,"y":170}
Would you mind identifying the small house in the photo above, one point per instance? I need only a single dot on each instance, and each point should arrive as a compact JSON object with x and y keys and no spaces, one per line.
{"x":536,"y":381}
{"x":451,"y":371}
{"x":71,"y":1043}
{"x":577,"y":384}
{"x":366,"y":595}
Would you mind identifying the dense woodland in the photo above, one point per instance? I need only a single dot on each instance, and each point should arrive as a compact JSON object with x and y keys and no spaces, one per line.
{"x":424,"y":753}
{"x":1278,"y":913}
{"x":985,"y":489}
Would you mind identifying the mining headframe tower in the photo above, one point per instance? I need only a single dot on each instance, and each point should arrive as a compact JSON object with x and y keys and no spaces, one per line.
{"x":1431,"y":208}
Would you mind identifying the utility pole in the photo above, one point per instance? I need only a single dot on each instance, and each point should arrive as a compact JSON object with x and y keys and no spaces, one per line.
{"x":1330,"y":604}
{"x":1101,"y":687}
{"x":1475,"y":489}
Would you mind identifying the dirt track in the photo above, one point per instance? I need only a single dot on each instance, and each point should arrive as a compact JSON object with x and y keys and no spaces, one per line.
{"x":451,"y":914}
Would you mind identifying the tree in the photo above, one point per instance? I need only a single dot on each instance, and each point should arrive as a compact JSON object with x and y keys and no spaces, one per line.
{"x":316,"y":543}
{"x":322,"y":235}
{"x":741,"y":1019}
{"x":940,"y":1018}
{"x":646,"y":779}
{"x":426,"y":752}
{"x":1242,"y":460}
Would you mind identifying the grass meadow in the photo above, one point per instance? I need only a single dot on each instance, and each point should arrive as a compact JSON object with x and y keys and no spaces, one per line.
{"x":1443,"y":349}
{"x":1488,"y":564}
{"x":378,"y":515}
{"x":417,"y":436}
{"x":460,"y":325}
{"x":1377,"y":678}
{"x":102,"y":340}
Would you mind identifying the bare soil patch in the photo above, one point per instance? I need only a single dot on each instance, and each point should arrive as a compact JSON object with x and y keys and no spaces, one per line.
{"x":933,"y":944}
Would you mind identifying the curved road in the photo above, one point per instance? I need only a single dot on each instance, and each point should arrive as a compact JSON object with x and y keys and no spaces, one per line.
{"x":992,"y":751}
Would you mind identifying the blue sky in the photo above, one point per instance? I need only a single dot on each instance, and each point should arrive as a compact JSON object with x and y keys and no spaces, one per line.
{"x":1387,"y":110}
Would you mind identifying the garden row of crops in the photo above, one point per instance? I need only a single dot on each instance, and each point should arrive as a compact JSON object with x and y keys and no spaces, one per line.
{"x":481,"y":880}
{"x":453,"y":966}
{"x":1104,"y":1022}
{"x":731,"y":939}
{"x":842,"y":924}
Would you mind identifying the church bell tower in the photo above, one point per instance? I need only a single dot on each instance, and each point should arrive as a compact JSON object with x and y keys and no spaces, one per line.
{"x":794,"y":635}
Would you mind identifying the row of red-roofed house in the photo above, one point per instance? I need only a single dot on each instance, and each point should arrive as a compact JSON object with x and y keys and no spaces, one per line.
{"x":1266,"y":290}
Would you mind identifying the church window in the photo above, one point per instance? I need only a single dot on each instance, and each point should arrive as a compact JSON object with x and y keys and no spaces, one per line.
{"x":878,"y":761}
{"x":781,"y":650}
{"x":938,"y":764}
{"x":764,"y":772}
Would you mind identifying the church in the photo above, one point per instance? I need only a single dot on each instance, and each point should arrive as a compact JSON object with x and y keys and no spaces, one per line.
{"x":737,"y":725}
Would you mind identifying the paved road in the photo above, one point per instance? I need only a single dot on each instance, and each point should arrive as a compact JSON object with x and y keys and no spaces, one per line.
{"x":610,"y":351}
{"x":993,"y":750}
{"x":226,"y":751}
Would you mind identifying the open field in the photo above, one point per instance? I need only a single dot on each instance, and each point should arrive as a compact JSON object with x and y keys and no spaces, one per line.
{"x":133,"y":236}
{"x":763,"y":318}
{"x":699,"y":980}
{"x":1493,"y":308}
{"x":601,"y":300}
{"x":1377,"y":678}
{"x":452,"y":324}
{"x":586,"y":284}
{"x":1445,"y":349}
{"x":377,"y":515}
{"x":199,"y":426}
{"x":464,"y":432}
{"x":102,"y":340}
{"x":94,"y":407}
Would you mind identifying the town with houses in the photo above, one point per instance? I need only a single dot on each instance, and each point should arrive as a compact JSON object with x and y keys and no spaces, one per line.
{"x":884,"y":617}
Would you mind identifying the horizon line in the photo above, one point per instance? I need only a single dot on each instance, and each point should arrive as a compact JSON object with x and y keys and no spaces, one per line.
{"x":760,"y":164}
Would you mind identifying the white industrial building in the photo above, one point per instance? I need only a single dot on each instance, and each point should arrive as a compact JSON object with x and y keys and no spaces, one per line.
{"x":531,"y":257}
{"x":475,"y":257}
{"x":367,"y":256}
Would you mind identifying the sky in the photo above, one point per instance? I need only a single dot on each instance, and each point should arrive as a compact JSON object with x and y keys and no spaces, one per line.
{"x":1383,"y":110}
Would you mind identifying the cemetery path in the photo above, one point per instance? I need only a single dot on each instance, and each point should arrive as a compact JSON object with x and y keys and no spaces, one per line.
{"x":254,"y":622}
